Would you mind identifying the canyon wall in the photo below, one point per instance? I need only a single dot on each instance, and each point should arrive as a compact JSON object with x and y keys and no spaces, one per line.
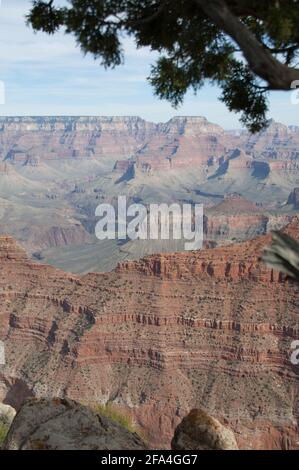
{"x":181,"y":142}
{"x":157,"y":338}
{"x":237,"y":219}
{"x":26,"y":140}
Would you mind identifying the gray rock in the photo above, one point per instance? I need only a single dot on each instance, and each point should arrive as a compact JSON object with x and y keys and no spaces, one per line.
{"x":63,"y":424}
{"x":199,"y":431}
{"x":7,"y":414}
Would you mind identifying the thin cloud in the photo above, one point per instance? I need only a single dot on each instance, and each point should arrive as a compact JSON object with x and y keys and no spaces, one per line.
{"x":50,"y":75}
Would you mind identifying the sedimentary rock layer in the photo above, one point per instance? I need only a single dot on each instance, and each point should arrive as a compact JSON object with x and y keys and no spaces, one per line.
{"x":181,"y":142}
{"x":158,"y":337}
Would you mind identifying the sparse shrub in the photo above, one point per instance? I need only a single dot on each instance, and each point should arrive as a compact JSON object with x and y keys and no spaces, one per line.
{"x":111,"y":411}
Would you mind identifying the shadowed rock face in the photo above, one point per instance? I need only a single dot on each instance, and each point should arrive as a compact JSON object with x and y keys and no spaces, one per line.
{"x":199,"y":431}
{"x":209,"y":329}
{"x":61,"y":424}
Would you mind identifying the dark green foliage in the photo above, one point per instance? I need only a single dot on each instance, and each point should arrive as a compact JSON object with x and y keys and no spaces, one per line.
{"x":46,"y":18}
{"x":194,"y":45}
{"x":283,"y":255}
{"x":241,"y":93}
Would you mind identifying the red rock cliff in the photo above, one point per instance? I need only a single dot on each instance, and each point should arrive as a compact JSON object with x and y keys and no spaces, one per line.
{"x":205,"y":329}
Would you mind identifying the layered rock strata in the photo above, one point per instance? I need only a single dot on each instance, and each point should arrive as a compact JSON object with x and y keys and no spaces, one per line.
{"x":159,"y":337}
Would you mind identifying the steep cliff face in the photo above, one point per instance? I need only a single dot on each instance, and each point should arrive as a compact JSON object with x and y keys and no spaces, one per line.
{"x":182,"y":142}
{"x":189,"y":140}
{"x":193,"y":141}
{"x":236,"y":219}
{"x":158,"y":337}
{"x":277,"y":142}
{"x":23,"y":139}
{"x":11,"y":251}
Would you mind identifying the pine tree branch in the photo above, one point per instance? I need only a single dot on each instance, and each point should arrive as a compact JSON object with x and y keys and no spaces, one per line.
{"x":278,"y":76}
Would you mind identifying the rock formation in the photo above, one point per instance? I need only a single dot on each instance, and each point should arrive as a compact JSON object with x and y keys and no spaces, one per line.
{"x":61,"y":168}
{"x":62,"y":424}
{"x":199,"y":431}
{"x":7,"y":414}
{"x":277,"y":141}
{"x":209,"y":329}
{"x":22,"y":139}
{"x":236,"y":218}
{"x":180,"y":143}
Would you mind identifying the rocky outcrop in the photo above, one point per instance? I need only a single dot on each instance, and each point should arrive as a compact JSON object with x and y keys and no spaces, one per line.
{"x":62,"y":424}
{"x":236,"y":219}
{"x":7,"y":414}
{"x":199,"y":431}
{"x":11,"y":250}
{"x":234,"y":262}
{"x":276,"y":142}
{"x":210,"y":329}
{"x":181,"y":143}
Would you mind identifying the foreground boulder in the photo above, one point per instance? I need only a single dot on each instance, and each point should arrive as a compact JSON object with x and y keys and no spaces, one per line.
{"x":199,"y":431}
{"x":7,"y":414}
{"x":63,"y":424}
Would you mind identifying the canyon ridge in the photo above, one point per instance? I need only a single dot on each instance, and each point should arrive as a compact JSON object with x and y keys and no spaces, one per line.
{"x":54,"y":171}
{"x":158,"y":337}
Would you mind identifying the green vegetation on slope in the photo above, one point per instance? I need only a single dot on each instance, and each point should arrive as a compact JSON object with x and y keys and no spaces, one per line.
{"x":112,"y":412}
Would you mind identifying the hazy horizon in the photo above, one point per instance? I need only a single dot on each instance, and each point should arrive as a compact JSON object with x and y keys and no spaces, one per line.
{"x":49,"y":76}
{"x":238,"y":128}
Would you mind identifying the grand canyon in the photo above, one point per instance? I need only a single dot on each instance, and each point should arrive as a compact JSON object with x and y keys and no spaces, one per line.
{"x":149,"y":232}
{"x":54,"y":171}
{"x":158,"y":337}
{"x":151,"y":328}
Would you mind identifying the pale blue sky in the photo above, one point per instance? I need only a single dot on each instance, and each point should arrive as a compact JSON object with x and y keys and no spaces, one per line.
{"x":48,"y":75}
